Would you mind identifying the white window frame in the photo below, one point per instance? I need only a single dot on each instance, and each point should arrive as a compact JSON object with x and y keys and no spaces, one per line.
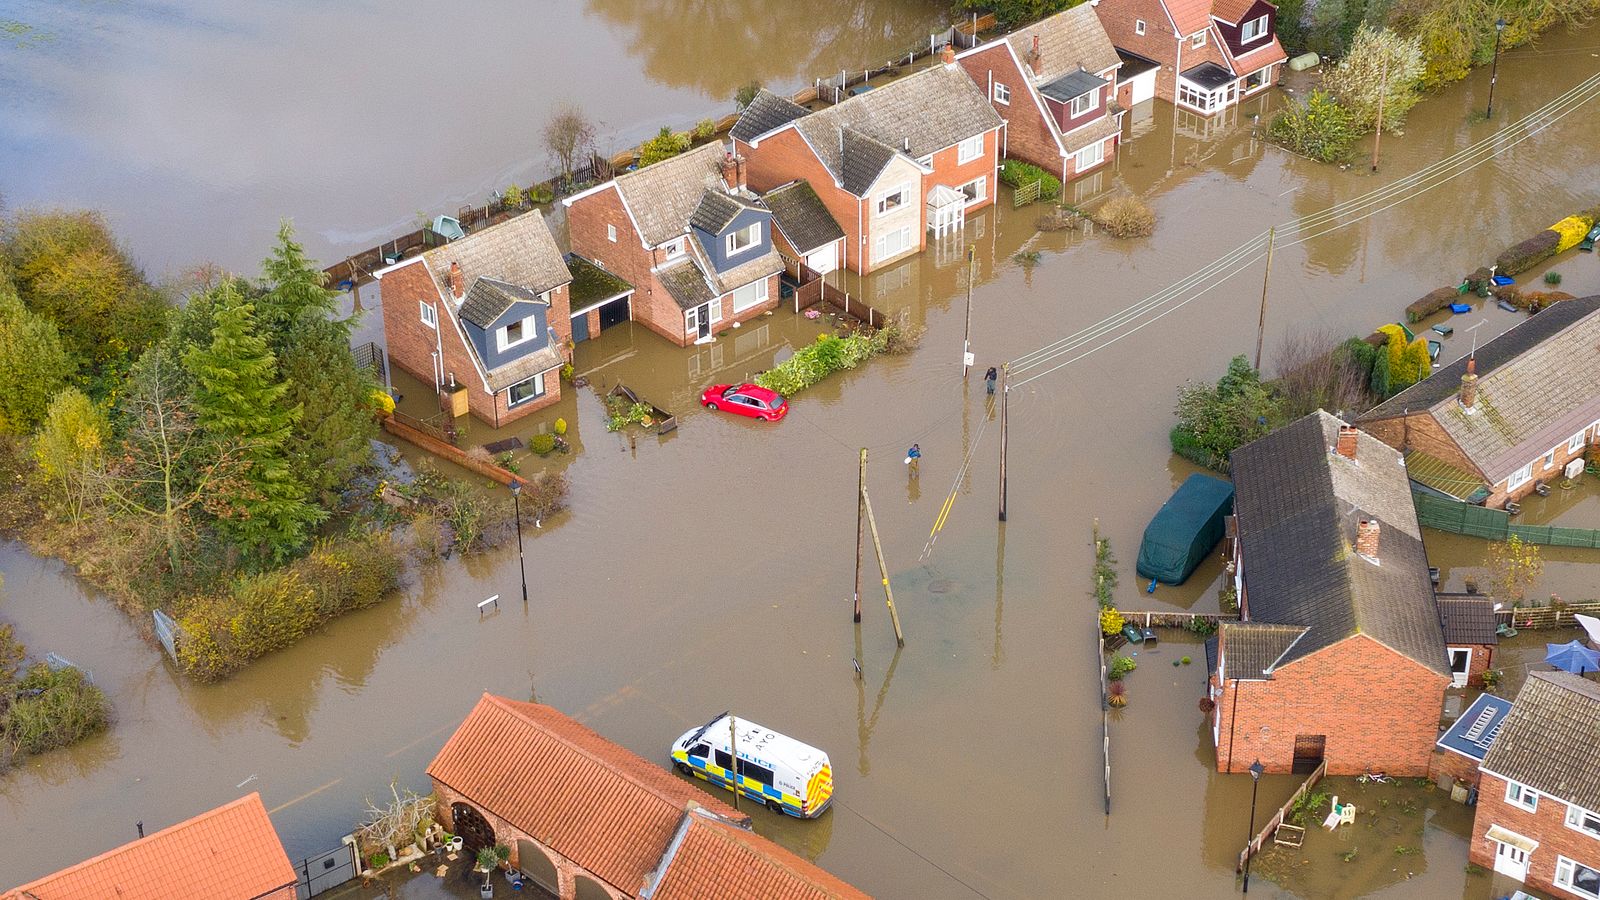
{"x":1213,"y":99}
{"x":1521,"y":796}
{"x":1245,"y":34}
{"x":674,"y":248}
{"x":979,"y":195}
{"x":538,"y":381}
{"x":1520,"y":477}
{"x":611,"y":233}
{"x":430,"y":316}
{"x":1085,"y":103}
{"x":969,"y":150}
{"x":752,"y":231}
{"x":880,"y":244}
{"x":1138,"y":26}
{"x":1565,"y":869}
{"x":901,"y":195}
{"x":759,"y":294}
{"x":1080,"y":161}
{"x":502,"y":337}
{"x":1197,"y":40}
{"x":1576,"y":816}
{"x":1575,"y":443}
{"x":1550,"y":458}
{"x":1002,"y":93}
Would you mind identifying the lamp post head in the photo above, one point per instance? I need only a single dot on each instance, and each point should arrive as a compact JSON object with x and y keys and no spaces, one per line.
{"x":1499,"y":24}
{"x":1256,"y":768}
{"x":516,"y":486}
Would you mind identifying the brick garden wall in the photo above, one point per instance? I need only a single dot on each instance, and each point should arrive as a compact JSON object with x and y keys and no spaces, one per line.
{"x":1448,"y":767}
{"x":506,"y":834}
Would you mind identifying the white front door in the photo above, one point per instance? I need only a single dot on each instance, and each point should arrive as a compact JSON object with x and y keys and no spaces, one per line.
{"x":1511,"y":861}
{"x":825,"y":260}
{"x":1460,"y":663}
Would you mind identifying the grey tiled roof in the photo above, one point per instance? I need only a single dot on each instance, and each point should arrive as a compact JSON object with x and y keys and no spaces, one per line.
{"x":542,"y":360}
{"x":920,"y":114}
{"x":1538,"y":384}
{"x":488,"y":298}
{"x":861,"y":160}
{"x":716,"y":209}
{"x":1095,"y":131}
{"x":800,"y":214}
{"x":687,"y":284}
{"x":1250,"y":649}
{"x":766,"y":112}
{"x":1467,"y":619}
{"x":519,"y":251}
{"x":1209,"y":75}
{"x":1072,"y":85}
{"x":1548,"y":740}
{"x":1067,"y":41}
{"x":768,"y":263}
{"x":663,"y":196}
{"x":1297,"y":506}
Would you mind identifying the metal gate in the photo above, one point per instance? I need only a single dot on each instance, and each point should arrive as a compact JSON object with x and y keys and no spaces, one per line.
{"x":1308,"y":750}
{"x":324,"y":871}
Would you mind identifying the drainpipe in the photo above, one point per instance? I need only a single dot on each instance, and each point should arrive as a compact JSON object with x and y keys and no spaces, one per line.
{"x":1233,"y":720}
{"x":1172,"y":160}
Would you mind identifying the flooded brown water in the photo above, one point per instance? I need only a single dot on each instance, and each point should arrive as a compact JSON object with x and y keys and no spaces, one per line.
{"x":712,"y":569}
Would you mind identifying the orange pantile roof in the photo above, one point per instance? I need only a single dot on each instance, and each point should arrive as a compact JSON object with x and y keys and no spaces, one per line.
{"x":600,"y":805}
{"x":718,"y":859}
{"x":1190,"y":15}
{"x":229,"y":853}
{"x":1231,"y":10}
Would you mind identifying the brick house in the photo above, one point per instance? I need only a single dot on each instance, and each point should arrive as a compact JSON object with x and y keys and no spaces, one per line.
{"x":803,"y":227}
{"x":586,"y":819}
{"x":229,"y":853}
{"x":1538,"y":815}
{"x":488,"y":312}
{"x":1339,"y":656}
{"x":1054,"y":84}
{"x":890,"y":165}
{"x":1512,"y":415}
{"x":1470,"y":636}
{"x":1459,"y":752}
{"x":689,"y":236}
{"x":1211,"y":54}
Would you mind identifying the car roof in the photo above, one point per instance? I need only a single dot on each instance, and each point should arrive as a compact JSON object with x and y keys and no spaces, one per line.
{"x":756,"y":390}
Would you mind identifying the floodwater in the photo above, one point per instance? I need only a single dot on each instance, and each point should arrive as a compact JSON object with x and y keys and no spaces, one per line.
{"x":712,"y":569}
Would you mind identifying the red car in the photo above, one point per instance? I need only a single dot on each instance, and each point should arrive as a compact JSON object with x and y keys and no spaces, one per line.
{"x":746,"y":400}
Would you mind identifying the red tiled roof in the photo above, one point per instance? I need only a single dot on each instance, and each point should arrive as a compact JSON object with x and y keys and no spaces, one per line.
{"x":1190,"y":15}
{"x":717,"y":859}
{"x":1231,"y":10}
{"x":601,"y":806}
{"x":1256,"y":59}
{"x":229,"y":853}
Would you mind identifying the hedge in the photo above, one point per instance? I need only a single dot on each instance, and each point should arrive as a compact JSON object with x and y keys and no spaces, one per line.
{"x":814,"y":362}
{"x":1572,"y":230}
{"x":1524,"y":256}
{"x":1431,"y":303}
{"x":1017,"y":173}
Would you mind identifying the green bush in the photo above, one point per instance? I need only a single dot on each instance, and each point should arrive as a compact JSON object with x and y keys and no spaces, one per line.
{"x":1017,"y":173}
{"x":541,"y":193}
{"x":814,"y":362}
{"x":1431,"y":302}
{"x":664,"y":145}
{"x":542,"y":443}
{"x":1524,"y":256}
{"x":1319,"y":127}
{"x":1552,"y":277}
{"x":49,"y":708}
{"x":1215,"y":420}
{"x":704,"y":129}
{"x":1120,"y":667}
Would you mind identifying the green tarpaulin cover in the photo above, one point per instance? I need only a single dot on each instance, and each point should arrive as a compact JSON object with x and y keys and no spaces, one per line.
{"x":1188,"y":526}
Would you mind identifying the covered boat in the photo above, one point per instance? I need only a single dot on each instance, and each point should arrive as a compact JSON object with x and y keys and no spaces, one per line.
{"x":1185,"y":530}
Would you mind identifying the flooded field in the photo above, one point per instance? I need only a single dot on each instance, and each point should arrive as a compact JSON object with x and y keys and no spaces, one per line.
{"x":712,"y":569}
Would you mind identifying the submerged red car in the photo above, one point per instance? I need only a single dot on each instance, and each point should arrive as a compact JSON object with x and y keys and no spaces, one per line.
{"x":750,"y":400}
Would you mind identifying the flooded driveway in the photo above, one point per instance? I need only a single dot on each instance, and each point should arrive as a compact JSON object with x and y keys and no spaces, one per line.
{"x":713,"y":569}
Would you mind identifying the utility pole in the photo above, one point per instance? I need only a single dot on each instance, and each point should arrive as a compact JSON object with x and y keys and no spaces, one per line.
{"x":883,"y":569}
{"x":966,"y":336}
{"x":1005,"y":399}
{"x":1261,"y":324}
{"x":1383,"y":92}
{"x":861,"y":509}
{"x":733,"y":752}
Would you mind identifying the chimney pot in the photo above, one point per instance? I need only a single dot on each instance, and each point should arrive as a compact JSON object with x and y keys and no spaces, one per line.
{"x":730,"y":172}
{"x":1367,"y":531}
{"x":1347,"y":441}
{"x":1469,"y":385}
{"x":948,"y":55}
{"x":458,"y":286}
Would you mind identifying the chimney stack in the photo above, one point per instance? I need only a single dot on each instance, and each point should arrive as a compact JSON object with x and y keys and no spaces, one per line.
{"x":1367,"y":538}
{"x":1469,"y":385}
{"x":1034,"y":55}
{"x":948,"y":55}
{"x":743,"y":182}
{"x":730,"y":172}
{"x":458,"y":284}
{"x":1347,"y":441}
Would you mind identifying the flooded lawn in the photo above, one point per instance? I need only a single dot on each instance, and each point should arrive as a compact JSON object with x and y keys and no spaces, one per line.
{"x":713,"y":569}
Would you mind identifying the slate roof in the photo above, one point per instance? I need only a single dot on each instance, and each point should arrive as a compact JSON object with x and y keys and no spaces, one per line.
{"x":599,"y":805}
{"x":1467,"y":619}
{"x":519,"y":251}
{"x":710,"y":852}
{"x":1538,"y":384}
{"x":1547,"y":741}
{"x":1297,"y":505}
{"x":1134,"y":64}
{"x":920,"y":114}
{"x":1068,"y":41}
{"x":765,"y":113}
{"x":799,"y":213}
{"x":662,"y":196}
{"x":1474,"y":733}
{"x":489,"y":298}
{"x":717,"y":210}
{"x":1208,"y":75}
{"x":1084,"y":135}
{"x":1251,"y":649}
{"x":1072,"y":85}
{"x":231,"y":851}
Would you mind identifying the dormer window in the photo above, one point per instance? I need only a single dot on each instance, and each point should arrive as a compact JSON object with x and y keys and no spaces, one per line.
{"x":519,"y":332}
{"x":1253,"y":29}
{"x":1197,"y":40}
{"x":744,"y":239}
{"x":1085,"y":103}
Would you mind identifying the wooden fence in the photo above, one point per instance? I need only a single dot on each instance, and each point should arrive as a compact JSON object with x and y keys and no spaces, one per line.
{"x":406,"y":431}
{"x":814,"y":290}
{"x":1495,"y":525}
{"x":1542,"y":618}
{"x":1254,"y":847}
{"x":1105,"y":710}
{"x":1182,"y":620}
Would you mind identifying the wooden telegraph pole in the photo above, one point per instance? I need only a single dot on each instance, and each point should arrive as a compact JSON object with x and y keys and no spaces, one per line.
{"x":861,"y":509}
{"x":1005,"y":397}
{"x":883,"y":568}
{"x":733,"y":751}
{"x":966,"y":336}
{"x":1261,"y":323}
{"x":1377,"y":136}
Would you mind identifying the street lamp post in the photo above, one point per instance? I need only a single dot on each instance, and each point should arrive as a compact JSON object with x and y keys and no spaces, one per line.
{"x":516,"y":506}
{"x":1255,"y":781}
{"x":1494,"y":67}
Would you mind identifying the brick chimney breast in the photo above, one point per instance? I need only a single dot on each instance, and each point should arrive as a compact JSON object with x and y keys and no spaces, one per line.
{"x":1034,"y":55}
{"x":730,"y":172}
{"x":743,"y":177}
{"x":1469,"y":386}
{"x":1347,"y":441}
{"x":458,"y":283}
{"x":1367,"y":538}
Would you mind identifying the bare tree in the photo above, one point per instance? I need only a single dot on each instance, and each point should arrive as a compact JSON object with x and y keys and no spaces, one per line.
{"x":1314,"y":372}
{"x":567,"y":135}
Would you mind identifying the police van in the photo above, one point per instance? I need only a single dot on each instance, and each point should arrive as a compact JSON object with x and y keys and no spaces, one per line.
{"x":789,"y":777}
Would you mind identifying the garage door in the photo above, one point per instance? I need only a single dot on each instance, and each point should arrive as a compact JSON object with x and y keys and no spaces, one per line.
{"x":825,"y":260}
{"x":1144,"y":86}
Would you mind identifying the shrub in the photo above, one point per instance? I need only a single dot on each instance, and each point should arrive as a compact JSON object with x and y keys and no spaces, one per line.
{"x":1120,"y":667}
{"x":383,"y":403}
{"x":1572,"y":230}
{"x":1215,"y":420}
{"x":664,"y":145}
{"x":1478,"y":282}
{"x":1117,"y":694}
{"x":1431,"y":302}
{"x":541,"y":193}
{"x":704,"y":129}
{"x":561,"y":426}
{"x":828,"y":354}
{"x":542,"y":443}
{"x":1381,"y":69}
{"x":566,"y":372}
{"x":1318,"y":127}
{"x":1524,"y":256}
{"x":1060,"y":219}
{"x":1111,"y":621}
{"x":1017,"y":173}
{"x":1127,"y":216}
{"x":513,"y":198}
{"x":1552,"y":277}
{"x":508,"y":461}
{"x":49,"y":708}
